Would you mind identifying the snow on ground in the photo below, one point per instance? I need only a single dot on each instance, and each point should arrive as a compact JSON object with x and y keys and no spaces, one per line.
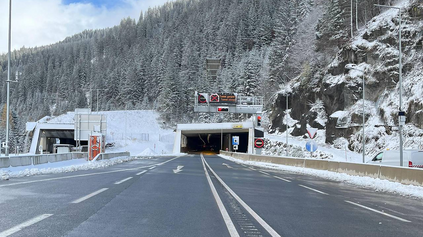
{"x":60,"y":167}
{"x":130,"y":130}
{"x":297,"y":148}
{"x":366,"y":182}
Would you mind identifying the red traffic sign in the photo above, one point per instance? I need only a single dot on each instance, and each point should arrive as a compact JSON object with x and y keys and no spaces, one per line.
{"x":214,"y":98}
{"x":258,"y":143}
{"x":202,"y":99}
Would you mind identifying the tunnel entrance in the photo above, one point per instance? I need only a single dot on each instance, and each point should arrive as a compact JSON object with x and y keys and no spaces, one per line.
{"x":213,"y":142}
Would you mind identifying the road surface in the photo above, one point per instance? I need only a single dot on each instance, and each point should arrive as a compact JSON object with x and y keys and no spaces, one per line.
{"x":195,"y":196}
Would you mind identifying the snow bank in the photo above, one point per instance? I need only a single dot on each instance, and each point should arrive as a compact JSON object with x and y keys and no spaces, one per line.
{"x":366,"y":182}
{"x":60,"y":167}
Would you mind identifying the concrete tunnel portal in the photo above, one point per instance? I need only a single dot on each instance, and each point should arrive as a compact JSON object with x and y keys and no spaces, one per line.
{"x":210,"y":138}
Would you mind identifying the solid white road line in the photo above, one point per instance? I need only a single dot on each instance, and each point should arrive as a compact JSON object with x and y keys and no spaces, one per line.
{"x":123,"y":180}
{"x":89,"y":196}
{"x":374,"y":210}
{"x":84,"y":175}
{"x":286,"y":180}
{"x":266,"y":226}
{"x":312,"y":189}
{"x":228,"y":221}
{"x":142,"y":172}
{"x":152,"y":167}
{"x":19,"y":227}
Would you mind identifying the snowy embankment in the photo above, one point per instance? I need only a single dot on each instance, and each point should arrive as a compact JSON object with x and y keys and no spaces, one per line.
{"x":297,"y":148}
{"x":60,"y":167}
{"x":365,"y":182}
{"x":136,"y":131}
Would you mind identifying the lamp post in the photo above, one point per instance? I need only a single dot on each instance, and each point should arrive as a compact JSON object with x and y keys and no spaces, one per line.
{"x":401,"y":114}
{"x":6,"y":151}
{"x":354,"y":67}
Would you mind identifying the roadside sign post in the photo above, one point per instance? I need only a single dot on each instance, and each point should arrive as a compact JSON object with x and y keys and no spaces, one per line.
{"x":311,"y":145}
{"x":258,"y":145}
{"x":235,"y":142}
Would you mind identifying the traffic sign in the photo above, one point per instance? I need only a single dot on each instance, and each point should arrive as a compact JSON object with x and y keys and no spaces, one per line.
{"x":235,"y":140}
{"x":214,"y":98}
{"x":311,"y":146}
{"x":235,"y":147}
{"x":258,"y":143}
{"x":312,"y":132}
{"x":202,"y":98}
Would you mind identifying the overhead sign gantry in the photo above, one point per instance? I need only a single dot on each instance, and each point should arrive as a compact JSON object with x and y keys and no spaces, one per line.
{"x":227,"y":102}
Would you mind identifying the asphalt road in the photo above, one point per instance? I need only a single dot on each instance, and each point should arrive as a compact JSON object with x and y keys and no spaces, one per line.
{"x":172,"y":196}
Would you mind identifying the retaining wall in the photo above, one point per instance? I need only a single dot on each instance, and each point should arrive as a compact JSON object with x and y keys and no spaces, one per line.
{"x":402,"y":175}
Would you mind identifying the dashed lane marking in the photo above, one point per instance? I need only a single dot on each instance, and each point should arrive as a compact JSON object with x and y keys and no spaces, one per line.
{"x":25,"y":224}
{"x":89,"y":196}
{"x":142,"y":172}
{"x":286,"y":180}
{"x":312,"y":189}
{"x":85,"y":175}
{"x":374,"y":210}
{"x":123,"y":180}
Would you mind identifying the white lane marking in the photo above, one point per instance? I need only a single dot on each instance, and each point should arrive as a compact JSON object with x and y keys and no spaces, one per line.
{"x":374,"y":210}
{"x":152,"y":167}
{"x":142,"y":172}
{"x":266,"y":226}
{"x":19,"y":227}
{"x":227,"y":166}
{"x":286,"y":180}
{"x":251,"y":168}
{"x":312,"y":189}
{"x":178,"y":169}
{"x":89,"y":196}
{"x":264,"y":172}
{"x":228,"y":221}
{"x":84,"y":175}
{"x":123,"y":180}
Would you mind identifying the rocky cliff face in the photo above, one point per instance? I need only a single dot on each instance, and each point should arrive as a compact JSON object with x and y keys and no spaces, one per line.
{"x":375,"y":52}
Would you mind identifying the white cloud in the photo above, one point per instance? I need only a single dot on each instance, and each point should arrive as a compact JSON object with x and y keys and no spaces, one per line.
{"x":43,"y":22}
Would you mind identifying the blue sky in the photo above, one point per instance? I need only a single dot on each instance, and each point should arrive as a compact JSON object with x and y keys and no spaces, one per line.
{"x":44,"y":22}
{"x":97,"y":3}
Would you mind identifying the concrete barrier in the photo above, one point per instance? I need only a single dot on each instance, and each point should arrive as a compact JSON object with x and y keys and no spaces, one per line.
{"x":402,"y":175}
{"x":106,"y":156}
{"x":316,"y":164}
{"x":366,"y":170}
{"x":20,"y":161}
{"x":15,"y":161}
{"x":4,"y":162}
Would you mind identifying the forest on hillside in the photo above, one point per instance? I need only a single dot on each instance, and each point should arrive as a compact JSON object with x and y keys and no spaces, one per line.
{"x":158,"y":61}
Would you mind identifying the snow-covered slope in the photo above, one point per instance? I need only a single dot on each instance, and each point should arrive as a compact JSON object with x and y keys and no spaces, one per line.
{"x":374,"y":50}
{"x":136,"y":131}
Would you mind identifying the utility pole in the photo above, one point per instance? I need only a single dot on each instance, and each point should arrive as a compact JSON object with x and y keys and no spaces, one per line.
{"x":286,"y":123}
{"x":401,"y":114}
{"x":8,"y":80}
{"x":356,"y":14}
{"x":351,"y":14}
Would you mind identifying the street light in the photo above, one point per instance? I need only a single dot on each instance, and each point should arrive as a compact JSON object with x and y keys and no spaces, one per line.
{"x":401,"y":114}
{"x":354,"y":67}
{"x":6,"y":150}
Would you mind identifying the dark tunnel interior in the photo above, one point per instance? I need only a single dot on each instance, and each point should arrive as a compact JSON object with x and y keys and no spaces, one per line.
{"x":213,"y":142}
